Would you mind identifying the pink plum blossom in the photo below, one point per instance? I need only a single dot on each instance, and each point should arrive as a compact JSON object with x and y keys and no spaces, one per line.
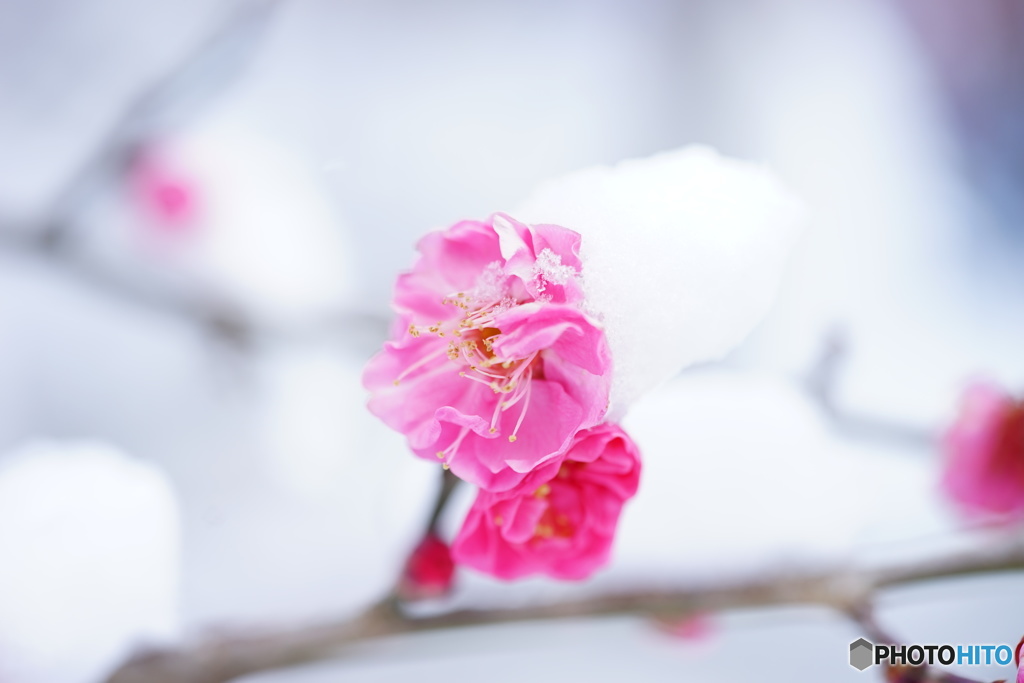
{"x":429,"y":570}
{"x":985,"y":454}
{"x":493,"y":365}
{"x":560,"y":520}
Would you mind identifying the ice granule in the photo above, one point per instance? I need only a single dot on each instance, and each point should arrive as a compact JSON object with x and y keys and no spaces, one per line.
{"x":549,"y":268}
{"x":490,"y":285}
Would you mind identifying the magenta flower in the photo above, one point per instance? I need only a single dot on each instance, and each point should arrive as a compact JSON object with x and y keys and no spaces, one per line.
{"x":493,"y":365}
{"x":561,"y":519}
{"x":985,"y":454}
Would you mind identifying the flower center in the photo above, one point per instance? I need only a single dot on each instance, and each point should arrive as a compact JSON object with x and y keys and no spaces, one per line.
{"x":554,"y":522}
{"x":471,"y":337}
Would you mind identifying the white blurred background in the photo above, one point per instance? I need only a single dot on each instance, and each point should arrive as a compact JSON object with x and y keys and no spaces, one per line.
{"x":203,"y":206}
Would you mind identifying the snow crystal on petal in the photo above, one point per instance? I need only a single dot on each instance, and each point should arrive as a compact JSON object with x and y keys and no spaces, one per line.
{"x":491,"y":285}
{"x":549,"y":268}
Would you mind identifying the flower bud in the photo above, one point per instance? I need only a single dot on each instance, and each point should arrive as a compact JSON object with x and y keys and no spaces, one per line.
{"x":984,"y":471}
{"x":429,"y":571}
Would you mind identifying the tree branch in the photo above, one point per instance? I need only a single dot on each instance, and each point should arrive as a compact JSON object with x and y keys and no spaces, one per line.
{"x":220,"y":318}
{"x":847,"y":590}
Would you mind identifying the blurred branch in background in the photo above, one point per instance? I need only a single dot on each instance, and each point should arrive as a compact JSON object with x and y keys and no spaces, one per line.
{"x":821,"y":383}
{"x":183,"y":91}
{"x":220,"y":318}
{"x":847,"y":590}
{"x":171,"y":99}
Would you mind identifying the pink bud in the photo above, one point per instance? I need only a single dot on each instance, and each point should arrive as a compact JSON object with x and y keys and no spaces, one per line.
{"x":429,"y":572}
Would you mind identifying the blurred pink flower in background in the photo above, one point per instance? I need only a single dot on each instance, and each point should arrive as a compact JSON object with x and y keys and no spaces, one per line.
{"x":693,"y":628}
{"x":1017,"y":659}
{"x":985,"y":454}
{"x":429,"y":571}
{"x":164,"y":192}
{"x":493,"y":366}
{"x":561,"y":520}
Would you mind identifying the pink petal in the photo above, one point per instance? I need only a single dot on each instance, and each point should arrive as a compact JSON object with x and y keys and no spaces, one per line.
{"x":563,"y":330}
{"x":502,"y":535}
{"x":493,"y":462}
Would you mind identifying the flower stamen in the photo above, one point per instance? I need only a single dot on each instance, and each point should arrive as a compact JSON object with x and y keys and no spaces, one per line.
{"x":420,"y":363}
{"x":448,"y":453}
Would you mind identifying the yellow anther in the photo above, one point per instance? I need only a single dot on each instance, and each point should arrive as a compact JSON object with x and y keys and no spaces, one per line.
{"x":440,"y":454}
{"x":512,"y":438}
{"x":542,"y":491}
{"x":445,"y":466}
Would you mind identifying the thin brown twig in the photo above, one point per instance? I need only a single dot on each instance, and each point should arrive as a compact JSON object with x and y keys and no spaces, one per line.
{"x":847,"y":590}
{"x":449,"y":482}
